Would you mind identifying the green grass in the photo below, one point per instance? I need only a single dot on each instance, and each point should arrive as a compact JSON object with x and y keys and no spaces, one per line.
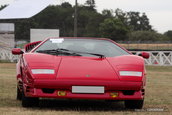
{"x":158,"y":95}
{"x":5,"y":61}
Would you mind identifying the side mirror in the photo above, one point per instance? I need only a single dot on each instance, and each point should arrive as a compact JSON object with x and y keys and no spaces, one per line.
{"x":144,"y":55}
{"x":17,"y":51}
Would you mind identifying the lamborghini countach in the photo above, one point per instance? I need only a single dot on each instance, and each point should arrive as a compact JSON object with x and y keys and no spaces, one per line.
{"x":80,"y":68}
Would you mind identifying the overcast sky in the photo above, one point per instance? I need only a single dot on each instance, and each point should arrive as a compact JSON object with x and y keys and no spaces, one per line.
{"x":158,"y":11}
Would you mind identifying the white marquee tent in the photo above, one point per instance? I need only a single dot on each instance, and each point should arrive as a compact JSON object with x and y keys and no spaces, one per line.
{"x":23,"y":9}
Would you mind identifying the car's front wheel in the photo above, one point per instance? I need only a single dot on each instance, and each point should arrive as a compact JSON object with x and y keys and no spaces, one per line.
{"x":19,"y":94}
{"x":134,"y":104}
{"x":29,"y":101}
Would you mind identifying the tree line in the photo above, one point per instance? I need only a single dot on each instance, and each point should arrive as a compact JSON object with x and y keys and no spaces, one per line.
{"x":114,"y":24}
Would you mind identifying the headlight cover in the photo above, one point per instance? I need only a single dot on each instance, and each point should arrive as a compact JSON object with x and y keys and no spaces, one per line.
{"x":43,"y":71}
{"x":130,"y":73}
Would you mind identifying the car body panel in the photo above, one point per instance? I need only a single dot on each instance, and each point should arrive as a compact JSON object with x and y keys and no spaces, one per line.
{"x":128,"y":63}
{"x":79,"y":68}
{"x":81,"y":71}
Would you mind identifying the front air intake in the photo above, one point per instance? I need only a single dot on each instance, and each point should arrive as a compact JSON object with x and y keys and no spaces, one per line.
{"x":128,"y":92}
{"x":45,"y":90}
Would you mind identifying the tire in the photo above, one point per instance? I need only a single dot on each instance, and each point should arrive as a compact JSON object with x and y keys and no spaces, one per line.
{"x":29,"y":101}
{"x":134,"y":104}
{"x":19,"y":94}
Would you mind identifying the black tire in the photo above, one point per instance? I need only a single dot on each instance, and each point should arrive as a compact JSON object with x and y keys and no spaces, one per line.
{"x":134,"y":104}
{"x":29,"y":101}
{"x":19,"y":94}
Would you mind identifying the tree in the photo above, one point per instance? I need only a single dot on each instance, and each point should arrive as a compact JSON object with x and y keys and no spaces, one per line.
{"x":146,"y":36}
{"x":113,"y":28}
{"x":144,"y":23}
{"x":134,"y":20}
{"x":88,"y":22}
{"x":93,"y":25}
{"x":22,"y":30}
{"x":90,"y":3}
{"x":2,"y":7}
{"x":53,"y":17}
{"x":56,"y":17}
{"x":138,"y":22}
{"x":112,"y":24}
{"x":107,"y":13}
{"x":66,"y":5}
{"x":121,"y":15}
{"x":169,"y":34}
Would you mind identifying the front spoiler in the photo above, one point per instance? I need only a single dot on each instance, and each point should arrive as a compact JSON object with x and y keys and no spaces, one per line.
{"x":66,"y":85}
{"x":105,"y":96}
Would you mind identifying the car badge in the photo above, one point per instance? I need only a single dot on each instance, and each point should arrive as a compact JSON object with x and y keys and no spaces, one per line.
{"x":87,"y":76}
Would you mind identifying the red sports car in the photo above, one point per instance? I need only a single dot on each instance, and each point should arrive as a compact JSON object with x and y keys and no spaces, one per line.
{"x":80,"y":68}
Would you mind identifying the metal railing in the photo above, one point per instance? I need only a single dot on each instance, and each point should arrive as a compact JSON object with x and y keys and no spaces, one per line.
{"x":162,"y":58}
{"x":8,"y":56}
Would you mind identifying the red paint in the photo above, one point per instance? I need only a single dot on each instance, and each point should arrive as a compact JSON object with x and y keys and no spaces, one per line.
{"x":17,"y":51}
{"x":145,"y":55}
{"x":80,"y":71}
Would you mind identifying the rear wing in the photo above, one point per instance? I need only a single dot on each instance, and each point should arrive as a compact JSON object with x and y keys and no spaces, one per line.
{"x":30,"y":46}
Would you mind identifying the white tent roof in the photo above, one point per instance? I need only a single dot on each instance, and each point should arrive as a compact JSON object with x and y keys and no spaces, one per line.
{"x":21,"y":9}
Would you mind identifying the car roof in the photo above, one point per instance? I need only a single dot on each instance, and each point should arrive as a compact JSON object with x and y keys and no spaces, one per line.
{"x":79,"y":38}
{"x":92,"y":38}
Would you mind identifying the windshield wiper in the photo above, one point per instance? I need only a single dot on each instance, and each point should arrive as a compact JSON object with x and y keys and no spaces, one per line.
{"x":99,"y":55}
{"x":46,"y":51}
{"x":66,"y":51}
{"x":58,"y":51}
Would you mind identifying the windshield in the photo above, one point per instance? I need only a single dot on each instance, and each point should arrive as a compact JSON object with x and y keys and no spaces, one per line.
{"x":81,"y":47}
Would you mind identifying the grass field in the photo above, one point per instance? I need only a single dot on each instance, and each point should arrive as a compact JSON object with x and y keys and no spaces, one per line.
{"x":158,"y":96}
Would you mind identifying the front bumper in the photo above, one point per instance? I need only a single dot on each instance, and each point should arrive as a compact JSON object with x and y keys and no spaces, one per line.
{"x":36,"y":90}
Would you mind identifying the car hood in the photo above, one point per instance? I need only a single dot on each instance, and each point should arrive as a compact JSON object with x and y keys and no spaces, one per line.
{"x":86,"y":69}
{"x":82,"y":68}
